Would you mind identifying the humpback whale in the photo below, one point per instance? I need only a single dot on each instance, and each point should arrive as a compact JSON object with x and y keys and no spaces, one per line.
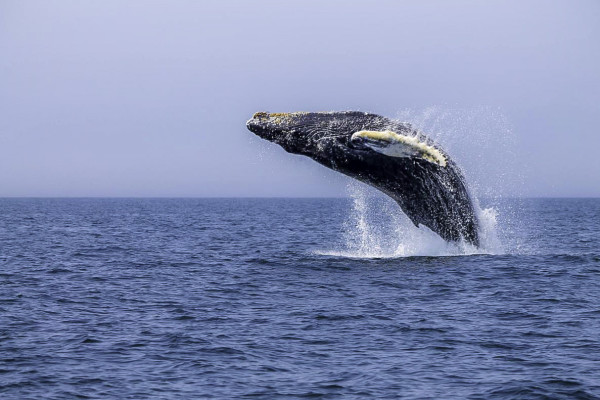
{"x":389,"y":155}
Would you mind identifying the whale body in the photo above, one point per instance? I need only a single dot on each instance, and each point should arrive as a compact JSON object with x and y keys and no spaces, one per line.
{"x":387,"y":154}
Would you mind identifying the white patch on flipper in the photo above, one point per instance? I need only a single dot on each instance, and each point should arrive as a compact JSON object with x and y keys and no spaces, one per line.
{"x":395,"y":145}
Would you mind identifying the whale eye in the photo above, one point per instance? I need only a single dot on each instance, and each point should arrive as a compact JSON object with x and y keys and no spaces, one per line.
{"x":393,"y":144}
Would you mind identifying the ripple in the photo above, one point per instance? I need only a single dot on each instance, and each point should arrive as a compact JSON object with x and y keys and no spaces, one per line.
{"x":130,"y":299}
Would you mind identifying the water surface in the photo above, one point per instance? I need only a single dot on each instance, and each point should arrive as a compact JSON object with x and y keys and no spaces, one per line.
{"x":285,"y":298}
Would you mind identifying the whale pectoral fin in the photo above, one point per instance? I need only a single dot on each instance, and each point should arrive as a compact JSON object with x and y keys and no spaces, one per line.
{"x":393,"y":144}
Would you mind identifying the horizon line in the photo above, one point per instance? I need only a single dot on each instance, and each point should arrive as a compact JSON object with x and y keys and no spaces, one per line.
{"x":267,"y":197}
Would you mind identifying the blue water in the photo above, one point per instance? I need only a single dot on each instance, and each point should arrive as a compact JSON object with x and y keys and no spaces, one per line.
{"x":293,"y":298}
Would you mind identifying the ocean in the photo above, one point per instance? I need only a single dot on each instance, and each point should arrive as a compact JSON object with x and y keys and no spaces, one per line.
{"x":296,"y":298}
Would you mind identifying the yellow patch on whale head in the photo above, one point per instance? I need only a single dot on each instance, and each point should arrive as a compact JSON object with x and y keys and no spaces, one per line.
{"x":260,"y":114}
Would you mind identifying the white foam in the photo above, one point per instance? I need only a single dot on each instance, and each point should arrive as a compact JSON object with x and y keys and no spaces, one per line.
{"x":377,"y":228}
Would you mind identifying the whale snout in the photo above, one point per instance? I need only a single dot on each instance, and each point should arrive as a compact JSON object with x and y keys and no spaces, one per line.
{"x":285,"y":129}
{"x":253,"y":125}
{"x":272,"y":126}
{"x":259,"y":125}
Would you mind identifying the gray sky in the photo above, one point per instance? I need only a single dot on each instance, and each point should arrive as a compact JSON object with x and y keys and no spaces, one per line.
{"x":146,"y":98}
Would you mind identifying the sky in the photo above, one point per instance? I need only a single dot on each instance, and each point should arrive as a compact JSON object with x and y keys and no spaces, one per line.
{"x":150,"y":98}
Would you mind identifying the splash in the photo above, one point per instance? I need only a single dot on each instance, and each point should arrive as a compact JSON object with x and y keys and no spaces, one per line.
{"x":481,"y":142}
{"x":377,"y":228}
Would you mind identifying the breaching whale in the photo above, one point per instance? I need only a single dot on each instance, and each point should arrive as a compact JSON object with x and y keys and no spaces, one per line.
{"x":389,"y":155}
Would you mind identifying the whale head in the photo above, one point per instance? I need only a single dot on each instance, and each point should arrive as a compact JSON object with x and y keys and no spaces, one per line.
{"x":301,"y":132}
{"x":340,"y":140}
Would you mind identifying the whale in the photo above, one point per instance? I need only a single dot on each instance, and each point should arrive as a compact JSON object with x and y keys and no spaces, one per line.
{"x":388,"y":154}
